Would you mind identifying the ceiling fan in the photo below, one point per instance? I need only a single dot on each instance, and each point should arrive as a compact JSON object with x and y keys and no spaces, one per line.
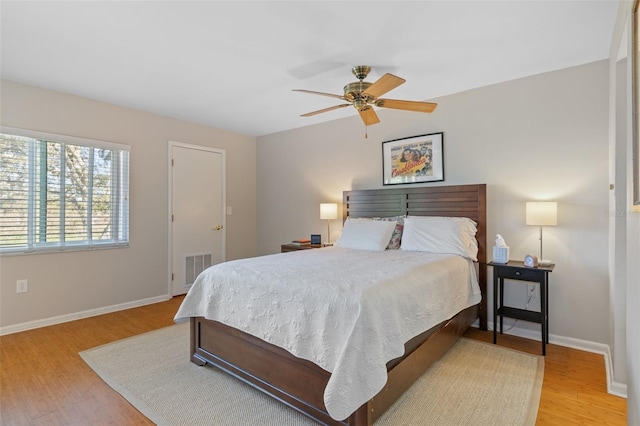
{"x":363,"y":95}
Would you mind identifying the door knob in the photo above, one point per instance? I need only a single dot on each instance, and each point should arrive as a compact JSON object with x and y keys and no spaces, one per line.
{"x":217,"y":228}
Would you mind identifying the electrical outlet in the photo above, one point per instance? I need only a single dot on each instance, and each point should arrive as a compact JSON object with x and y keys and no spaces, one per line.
{"x":532,"y":291}
{"x":22,"y":286}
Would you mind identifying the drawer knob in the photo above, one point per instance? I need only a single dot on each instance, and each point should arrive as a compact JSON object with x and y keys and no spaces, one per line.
{"x":518,"y":273}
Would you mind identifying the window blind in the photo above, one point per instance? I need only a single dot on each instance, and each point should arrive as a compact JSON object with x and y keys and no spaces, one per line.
{"x":60,"y":192}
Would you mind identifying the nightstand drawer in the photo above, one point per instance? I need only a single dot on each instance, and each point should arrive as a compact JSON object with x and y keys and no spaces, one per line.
{"x":519,"y":273}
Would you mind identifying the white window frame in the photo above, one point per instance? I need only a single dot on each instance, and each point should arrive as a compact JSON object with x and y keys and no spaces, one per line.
{"x":120,"y":188}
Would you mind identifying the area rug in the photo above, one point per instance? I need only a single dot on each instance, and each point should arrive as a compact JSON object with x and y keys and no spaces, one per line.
{"x":474,"y":383}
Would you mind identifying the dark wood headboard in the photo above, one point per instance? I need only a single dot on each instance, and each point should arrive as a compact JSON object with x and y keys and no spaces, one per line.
{"x":455,"y":201}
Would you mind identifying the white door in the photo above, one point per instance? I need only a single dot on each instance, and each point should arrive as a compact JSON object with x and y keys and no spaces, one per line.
{"x":197,"y":212}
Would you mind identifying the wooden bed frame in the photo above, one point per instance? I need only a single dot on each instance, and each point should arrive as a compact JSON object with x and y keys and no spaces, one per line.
{"x":300,"y":383}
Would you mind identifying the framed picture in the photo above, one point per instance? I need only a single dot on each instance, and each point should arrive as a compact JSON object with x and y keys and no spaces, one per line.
{"x":316,"y":239}
{"x":635,"y":81}
{"x":413,"y":160}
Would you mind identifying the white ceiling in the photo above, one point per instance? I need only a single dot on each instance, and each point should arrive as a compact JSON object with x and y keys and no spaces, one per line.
{"x":232,"y":65}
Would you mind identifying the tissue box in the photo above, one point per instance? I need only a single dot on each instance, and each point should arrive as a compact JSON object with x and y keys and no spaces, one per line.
{"x":500,"y":254}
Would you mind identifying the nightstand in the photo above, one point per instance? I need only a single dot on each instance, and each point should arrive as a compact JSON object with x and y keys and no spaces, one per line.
{"x":515,"y":270}
{"x":295,"y":247}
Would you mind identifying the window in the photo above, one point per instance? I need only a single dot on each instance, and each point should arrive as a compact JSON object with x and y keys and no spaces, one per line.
{"x":60,"y":192}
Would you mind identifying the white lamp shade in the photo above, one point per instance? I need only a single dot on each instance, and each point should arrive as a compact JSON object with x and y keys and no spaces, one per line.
{"x":328,"y":211}
{"x":542,"y":213}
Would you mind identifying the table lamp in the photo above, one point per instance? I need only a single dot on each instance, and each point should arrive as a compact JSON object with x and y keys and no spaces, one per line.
{"x":328,"y":211}
{"x":542,"y":213}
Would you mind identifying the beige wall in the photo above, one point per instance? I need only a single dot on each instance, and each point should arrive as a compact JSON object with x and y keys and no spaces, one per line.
{"x":67,"y":283}
{"x":625,"y":225}
{"x":542,"y":137}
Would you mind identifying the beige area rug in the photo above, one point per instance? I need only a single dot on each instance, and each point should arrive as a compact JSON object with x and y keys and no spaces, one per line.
{"x":474,"y":383}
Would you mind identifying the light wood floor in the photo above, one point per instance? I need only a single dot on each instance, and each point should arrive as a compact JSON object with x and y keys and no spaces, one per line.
{"x":43,"y":380}
{"x":574,"y":390}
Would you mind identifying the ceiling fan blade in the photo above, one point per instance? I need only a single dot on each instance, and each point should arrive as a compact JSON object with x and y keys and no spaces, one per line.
{"x":406,"y":105}
{"x":369,"y":116}
{"x":321,"y":93}
{"x":383,"y":85}
{"x":320,"y":111}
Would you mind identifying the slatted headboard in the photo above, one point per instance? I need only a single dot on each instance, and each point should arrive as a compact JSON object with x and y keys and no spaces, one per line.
{"x":455,"y":201}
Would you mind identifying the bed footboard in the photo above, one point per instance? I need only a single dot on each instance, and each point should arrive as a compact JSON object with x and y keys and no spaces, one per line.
{"x":266,"y":367}
{"x":299,"y":383}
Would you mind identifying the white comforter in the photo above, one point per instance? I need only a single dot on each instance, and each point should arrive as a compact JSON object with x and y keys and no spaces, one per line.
{"x":348,"y":311}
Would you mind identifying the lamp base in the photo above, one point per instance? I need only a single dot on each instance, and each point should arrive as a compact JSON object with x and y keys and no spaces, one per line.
{"x":543,"y":262}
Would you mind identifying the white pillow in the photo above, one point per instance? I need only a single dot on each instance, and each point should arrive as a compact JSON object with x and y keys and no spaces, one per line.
{"x":435,"y":234}
{"x":366,"y":234}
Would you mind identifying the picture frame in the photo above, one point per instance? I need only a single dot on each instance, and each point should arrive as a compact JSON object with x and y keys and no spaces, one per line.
{"x":635,"y":82}
{"x":415,"y":159}
{"x":316,"y":239}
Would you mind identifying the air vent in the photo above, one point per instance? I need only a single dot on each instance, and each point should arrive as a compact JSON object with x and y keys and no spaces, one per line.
{"x":195,"y":264}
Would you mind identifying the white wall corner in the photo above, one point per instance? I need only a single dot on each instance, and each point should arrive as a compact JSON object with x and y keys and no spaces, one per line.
{"x":613,"y":388}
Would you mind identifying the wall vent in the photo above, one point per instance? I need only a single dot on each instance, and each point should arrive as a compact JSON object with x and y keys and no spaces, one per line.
{"x":195,"y":264}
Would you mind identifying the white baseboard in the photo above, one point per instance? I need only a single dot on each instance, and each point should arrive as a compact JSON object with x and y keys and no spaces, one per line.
{"x":30,"y":325}
{"x":613,"y":388}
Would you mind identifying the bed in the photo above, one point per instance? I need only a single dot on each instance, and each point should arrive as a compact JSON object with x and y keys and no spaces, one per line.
{"x":266,"y":360}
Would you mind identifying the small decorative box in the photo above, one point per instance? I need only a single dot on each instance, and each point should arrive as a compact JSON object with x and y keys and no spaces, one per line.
{"x":500,"y":254}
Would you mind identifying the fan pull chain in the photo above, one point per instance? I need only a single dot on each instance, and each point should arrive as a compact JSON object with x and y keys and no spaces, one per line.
{"x":365,"y":132}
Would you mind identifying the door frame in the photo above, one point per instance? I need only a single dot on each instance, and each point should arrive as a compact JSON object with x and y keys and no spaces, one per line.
{"x":223,"y":208}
